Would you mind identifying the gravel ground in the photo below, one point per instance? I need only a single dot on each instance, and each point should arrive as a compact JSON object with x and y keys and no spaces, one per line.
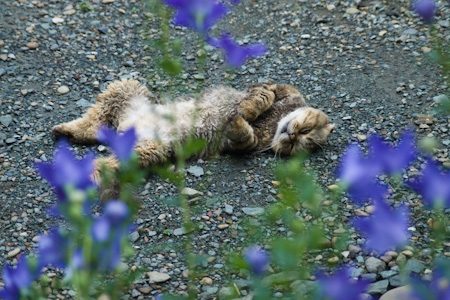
{"x":362,"y":62}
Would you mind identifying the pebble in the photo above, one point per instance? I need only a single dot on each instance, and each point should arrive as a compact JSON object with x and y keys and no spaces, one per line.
{"x":179,"y":231}
{"x":333,"y":260}
{"x":63,"y":90}
{"x":206,"y":281}
{"x":145,"y":290}
{"x":196,"y":171}
{"x":189,"y":192}
{"x":253,"y":211}
{"x":400,"y":293}
{"x":333,"y":187}
{"x":13,"y":253}
{"x":134,"y":236}
{"x":83,"y":103}
{"x":135,"y":293}
{"x":379,"y":287}
{"x":341,"y":81}
{"x":414,"y":266}
{"x":32,"y":45}
{"x":375,"y":265}
{"x":229,"y":209}
{"x":398,"y":280}
{"x":353,"y":249}
{"x":6,"y":120}
{"x":157,"y":277}
{"x":371,"y":277}
{"x":388,"y":274}
{"x":361,"y":137}
{"x":408,"y":253}
{"x":57,"y":20}
{"x":352,"y":10}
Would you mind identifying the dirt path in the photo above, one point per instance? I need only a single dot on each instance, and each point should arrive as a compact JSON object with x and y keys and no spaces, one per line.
{"x":364,"y":65}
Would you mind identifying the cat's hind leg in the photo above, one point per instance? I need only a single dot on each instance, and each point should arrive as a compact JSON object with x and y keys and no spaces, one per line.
{"x":260,"y":98}
{"x":82,"y":130}
{"x":107,"y":110}
{"x":240,"y":136}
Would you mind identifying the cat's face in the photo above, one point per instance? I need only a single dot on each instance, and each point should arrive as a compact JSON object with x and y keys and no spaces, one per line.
{"x":303,"y":129}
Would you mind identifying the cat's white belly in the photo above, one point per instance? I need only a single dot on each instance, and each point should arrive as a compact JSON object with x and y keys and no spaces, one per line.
{"x":165,"y":123}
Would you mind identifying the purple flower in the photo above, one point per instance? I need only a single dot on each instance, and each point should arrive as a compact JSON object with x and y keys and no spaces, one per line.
{"x":66,"y":170}
{"x":438,"y":288}
{"x":257,"y":259}
{"x":199,"y":15}
{"x":116,"y":211}
{"x":386,"y":229}
{"x":393,"y":159}
{"x":121,"y":144}
{"x":236,"y":54}
{"x":433,"y":185}
{"x":52,"y":249}
{"x":359,"y":175}
{"x":76,"y":263}
{"x":109,"y":257}
{"x":101,"y":229}
{"x":426,"y":9}
{"x":340,"y":286}
{"x":17,"y":279}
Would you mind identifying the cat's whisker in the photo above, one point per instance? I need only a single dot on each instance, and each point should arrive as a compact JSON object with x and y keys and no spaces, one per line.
{"x":316,"y":142}
{"x":264,"y":149}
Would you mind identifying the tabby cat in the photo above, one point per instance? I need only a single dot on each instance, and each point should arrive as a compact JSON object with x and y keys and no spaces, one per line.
{"x":263,"y":117}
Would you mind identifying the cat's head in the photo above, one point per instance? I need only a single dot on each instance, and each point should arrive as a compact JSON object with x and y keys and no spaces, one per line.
{"x":305,"y":128}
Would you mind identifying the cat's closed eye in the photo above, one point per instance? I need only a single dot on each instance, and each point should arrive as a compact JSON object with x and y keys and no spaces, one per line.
{"x":305,"y":131}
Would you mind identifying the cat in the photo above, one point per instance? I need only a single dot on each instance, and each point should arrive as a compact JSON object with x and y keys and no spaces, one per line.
{"x":262,"y":117}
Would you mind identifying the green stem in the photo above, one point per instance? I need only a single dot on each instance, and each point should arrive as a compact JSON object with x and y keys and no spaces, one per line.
{"x":188,"y":226}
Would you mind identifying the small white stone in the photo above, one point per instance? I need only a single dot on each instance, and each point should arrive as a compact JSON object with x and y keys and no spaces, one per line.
{"x":63,"y":90}
{"x":32,"y":45}
{"x":426,"y":49}
{"x":13,"y":253}
{"x":191,"y":192}
{"x":69,"y":12}
{"x":156,"y":277}
{"x":352,"y":10}
{"x":57,"y":20}
{"x":361,"y":137}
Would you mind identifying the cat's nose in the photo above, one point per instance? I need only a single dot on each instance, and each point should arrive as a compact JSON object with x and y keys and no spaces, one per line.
{"x":292,"y":136}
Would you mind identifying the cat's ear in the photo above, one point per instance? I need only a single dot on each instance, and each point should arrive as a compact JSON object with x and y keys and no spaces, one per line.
{"x":330,"y":127}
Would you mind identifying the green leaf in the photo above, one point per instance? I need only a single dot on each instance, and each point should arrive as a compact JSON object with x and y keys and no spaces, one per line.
{"x":191,"y":147}
{"x":171,"y":66}
{"x":177,"y":46}
{"x":237,"y":262}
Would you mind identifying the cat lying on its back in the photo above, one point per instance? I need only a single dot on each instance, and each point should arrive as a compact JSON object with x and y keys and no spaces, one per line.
{"x":261,"y":117}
